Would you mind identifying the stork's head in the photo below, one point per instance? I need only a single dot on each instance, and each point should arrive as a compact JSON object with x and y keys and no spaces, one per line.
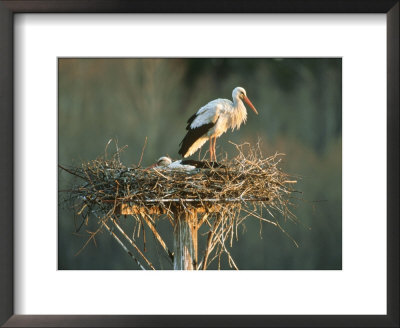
{"x":240,"y":93}
{"x":164,"y":161}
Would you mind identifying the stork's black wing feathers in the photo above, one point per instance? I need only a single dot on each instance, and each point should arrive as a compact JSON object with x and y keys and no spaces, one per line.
{"x":190,"y":120}
{"x":192,"y":135}
{"x":201,"y":164}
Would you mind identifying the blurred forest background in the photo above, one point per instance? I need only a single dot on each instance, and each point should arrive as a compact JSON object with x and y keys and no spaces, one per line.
{"x":300,"y":114}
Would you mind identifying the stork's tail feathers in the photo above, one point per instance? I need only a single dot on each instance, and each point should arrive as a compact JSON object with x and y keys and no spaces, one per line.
{"x":194,"y":139}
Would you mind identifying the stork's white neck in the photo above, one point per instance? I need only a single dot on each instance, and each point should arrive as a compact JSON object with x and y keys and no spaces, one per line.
{"x":239,"y":113}
{"x":236,"y":100}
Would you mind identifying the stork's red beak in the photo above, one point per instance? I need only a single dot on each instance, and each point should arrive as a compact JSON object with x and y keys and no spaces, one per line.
{"x":248,"y":102}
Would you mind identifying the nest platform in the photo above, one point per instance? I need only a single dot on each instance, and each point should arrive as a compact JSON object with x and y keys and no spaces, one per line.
{"x":247,"y":185}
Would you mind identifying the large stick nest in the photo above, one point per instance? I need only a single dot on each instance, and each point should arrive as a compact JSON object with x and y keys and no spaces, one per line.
{"x":246,"y":178}
{"x":249,"y":183}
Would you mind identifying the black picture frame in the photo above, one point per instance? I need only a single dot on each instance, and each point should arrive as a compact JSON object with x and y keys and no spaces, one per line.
{"x":7,"y":197}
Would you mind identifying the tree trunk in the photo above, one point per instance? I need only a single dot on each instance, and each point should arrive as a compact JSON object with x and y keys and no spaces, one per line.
{"x":185,"y":241}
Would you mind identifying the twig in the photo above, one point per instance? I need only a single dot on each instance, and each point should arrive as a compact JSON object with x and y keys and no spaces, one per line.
{"x":132,"y":243}
{"x":122,"y":245}
{"x":158,"y":237}
{"x":71,"y":172}
{"x":141,"y":155}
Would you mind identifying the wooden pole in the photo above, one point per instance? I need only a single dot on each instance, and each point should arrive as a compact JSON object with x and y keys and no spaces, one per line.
{"x":185,"y":232}
{"x":185,"y":240}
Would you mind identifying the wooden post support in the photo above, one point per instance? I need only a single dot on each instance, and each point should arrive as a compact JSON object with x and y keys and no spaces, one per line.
{"x":185,"y":240}
{"x":186,"y":226}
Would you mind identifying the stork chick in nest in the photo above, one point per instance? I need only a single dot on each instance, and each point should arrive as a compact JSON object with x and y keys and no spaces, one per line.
{"x":183,"y":164}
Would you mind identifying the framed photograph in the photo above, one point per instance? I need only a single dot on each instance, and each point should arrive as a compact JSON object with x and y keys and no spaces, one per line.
{"x":252,"y":146}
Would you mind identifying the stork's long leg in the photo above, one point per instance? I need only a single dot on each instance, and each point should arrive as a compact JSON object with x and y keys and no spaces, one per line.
{"x":211,"y":148}
{"x":214,"y":152}
{"x":213,"y":157}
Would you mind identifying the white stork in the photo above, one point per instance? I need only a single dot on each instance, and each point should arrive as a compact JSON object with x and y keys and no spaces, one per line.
{"x":183,"y":164}
{"x":166,"y":163}
{"x":214,"y":119}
